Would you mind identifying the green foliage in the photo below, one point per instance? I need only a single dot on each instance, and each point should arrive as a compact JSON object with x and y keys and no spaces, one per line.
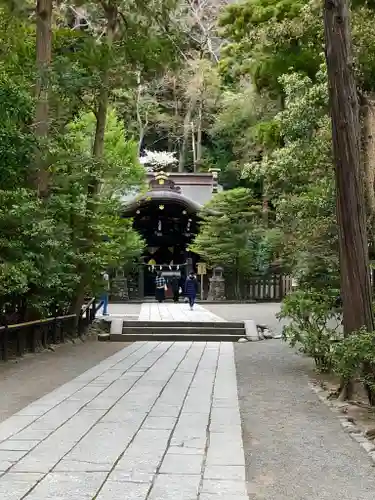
{"x":313,"y":324}
{"x":16,"y":140}
{"x":229,"y":231}
{"x":267,"y":38}
{"x":242,"y":129}
{"x":230,"y":234}
{"x":284,"y":149}
{"x":114,"y":243}
{"x":46,"y":243}
{"x":354,"y":358}
{"x":298,"y":178}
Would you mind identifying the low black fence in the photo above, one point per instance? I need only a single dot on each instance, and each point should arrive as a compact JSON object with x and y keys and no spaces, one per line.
{"x":18,"y":339}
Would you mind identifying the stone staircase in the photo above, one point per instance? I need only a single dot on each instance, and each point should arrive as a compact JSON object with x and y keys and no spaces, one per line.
{"x":174,"y":331}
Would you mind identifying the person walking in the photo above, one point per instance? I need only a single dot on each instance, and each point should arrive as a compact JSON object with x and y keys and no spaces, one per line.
{"x":105,"y":294}
{"x":191,"y":289}
{"x":176,"y":288}
{"x":160,"y":286}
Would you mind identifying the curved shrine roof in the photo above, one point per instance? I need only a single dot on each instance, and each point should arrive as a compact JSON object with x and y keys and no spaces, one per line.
{"x":192,"y":191}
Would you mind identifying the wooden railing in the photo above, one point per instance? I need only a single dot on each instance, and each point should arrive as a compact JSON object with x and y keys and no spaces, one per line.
{"x":20,"y":338}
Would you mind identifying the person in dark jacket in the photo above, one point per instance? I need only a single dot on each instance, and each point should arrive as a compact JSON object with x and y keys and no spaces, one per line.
{"x":175,"y":283}
{"x":191,"y":289}
{"x":160,"y":286}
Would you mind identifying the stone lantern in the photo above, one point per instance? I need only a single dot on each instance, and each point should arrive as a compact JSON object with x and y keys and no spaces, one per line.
{"x":216,"y":291}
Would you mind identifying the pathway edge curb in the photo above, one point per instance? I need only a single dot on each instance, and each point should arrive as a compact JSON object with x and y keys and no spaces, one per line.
{"x":349,"y":427}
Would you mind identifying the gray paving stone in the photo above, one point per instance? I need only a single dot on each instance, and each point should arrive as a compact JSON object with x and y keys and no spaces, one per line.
{"x":32,"y":434}
{"x":72,"y":486}
{"x":229,"y":415}
{"x":5,"y":465}
{"x":223,"y":488}
{"x":14,"y":486}
{"x":231,"y":443}
{"x":12,"y":455}
{"x":186,"y":441}
{"x":163,"y":410}
{"x":194,"y":420}
{"x":159,"y":423}
{"x":109,"y":396}
{"x":145,"y":463}
{"x":131,"y":375}
{"x":86,"y":394}
{"x":103,"y":444}
{"x":115,"y":490}
{"x":225,"y":403}
{"x":181,"y":464}
{"x":184,"y":450}
{"x":134,"y":476}
{"x":145,"y":453}
{"x":124,"y":415}
{"x":169,"y":487}
{"x":14,"y":444}
{"x":59,"y":395}
{"x":46,"y":455}
{"x":110,"y":375}
{"x":58,"y":415}
{"x":34,"y":410}
{"x":83,"y":440}
{"x":226,"y":496}
{"x":13,"y":425}
{"x":77,"y":466}
{"x":101,"y":403}
{"x":234,"y":472}
{"x":222,"y":427}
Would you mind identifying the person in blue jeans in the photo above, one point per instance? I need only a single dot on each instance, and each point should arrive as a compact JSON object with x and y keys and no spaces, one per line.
{"x":104,"y":297}
{"x":191,"y":289}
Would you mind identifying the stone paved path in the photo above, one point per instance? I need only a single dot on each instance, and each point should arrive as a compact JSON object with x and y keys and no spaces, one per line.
{"x":168,"y":311}
{"x":156,"y":421}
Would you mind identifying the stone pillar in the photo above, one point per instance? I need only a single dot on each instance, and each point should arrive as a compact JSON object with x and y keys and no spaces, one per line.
{"x":216,"y":292}
{"x":119,"y":287}
{"x":215,"y":178}
{"x":141,"y":281}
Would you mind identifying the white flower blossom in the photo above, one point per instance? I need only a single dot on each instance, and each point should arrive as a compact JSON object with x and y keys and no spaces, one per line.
{"x":157,"y":160}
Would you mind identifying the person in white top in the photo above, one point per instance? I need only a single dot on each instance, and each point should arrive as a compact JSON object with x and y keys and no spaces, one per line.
{"x":104,"y":297}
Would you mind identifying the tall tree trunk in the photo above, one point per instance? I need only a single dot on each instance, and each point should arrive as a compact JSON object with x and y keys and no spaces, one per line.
{"x":199,"y":133}
{"x":43,"y":12}
{"x":141,"y":125}
{"x":351,"y":217}
{"x":265,"y":210}
{"x":368,"y":142}
{"x":193,"y":146}
{"x":186,"y":134}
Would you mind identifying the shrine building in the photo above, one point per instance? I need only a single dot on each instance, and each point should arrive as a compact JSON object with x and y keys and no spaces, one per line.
{"x":167,"y":217}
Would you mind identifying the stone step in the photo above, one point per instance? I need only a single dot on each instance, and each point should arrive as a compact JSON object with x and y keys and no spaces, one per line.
{"x":182,"y":330}
{"x":182,"y":324}
{"x":176,"y":337}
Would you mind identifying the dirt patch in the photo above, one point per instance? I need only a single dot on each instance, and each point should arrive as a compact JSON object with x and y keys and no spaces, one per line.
{"x":357,"y":411}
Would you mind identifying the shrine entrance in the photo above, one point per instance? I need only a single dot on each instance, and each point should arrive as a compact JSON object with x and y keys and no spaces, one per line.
{"x":168,"y":222}
{"x":167,"y":229}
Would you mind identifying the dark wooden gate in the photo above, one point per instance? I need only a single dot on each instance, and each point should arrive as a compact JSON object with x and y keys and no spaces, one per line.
{"x":268,"y":288}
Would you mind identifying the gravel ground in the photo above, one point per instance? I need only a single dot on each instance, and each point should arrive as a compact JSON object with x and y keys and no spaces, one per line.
{"x":260,"y":313}
{"x":25,"y":380}
{"x":295,"y":448}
